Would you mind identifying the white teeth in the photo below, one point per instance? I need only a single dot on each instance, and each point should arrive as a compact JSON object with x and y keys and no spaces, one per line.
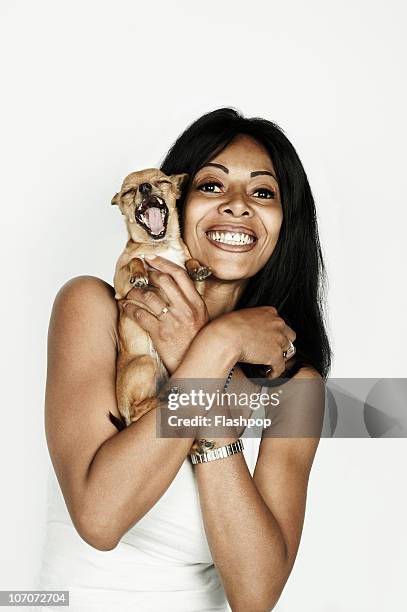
{"x":237,"y":238}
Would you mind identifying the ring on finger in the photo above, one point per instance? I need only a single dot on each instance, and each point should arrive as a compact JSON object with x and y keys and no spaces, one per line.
{"x":290,"y":351}
{"x":163,"y":312}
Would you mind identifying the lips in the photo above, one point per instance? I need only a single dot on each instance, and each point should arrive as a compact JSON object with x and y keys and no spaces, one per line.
{"x":152,"y":215}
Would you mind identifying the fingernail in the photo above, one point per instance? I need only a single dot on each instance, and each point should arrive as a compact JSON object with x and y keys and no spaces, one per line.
{"x":148,"y":257}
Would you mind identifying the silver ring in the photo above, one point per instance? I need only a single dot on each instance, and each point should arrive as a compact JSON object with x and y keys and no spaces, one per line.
{"x":163,"y":311}
{"x":290,"y":351}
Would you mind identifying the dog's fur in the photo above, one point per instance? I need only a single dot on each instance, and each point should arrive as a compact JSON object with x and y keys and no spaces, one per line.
{"x":140,"y":370}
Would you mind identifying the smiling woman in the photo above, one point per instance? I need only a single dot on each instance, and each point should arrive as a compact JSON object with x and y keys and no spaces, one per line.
{"x":245,"y":172}
{"x":136,"y":525}
{"x":225,"y":198}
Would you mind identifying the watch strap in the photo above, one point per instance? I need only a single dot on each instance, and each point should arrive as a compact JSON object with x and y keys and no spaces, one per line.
{"x":218,"y":453}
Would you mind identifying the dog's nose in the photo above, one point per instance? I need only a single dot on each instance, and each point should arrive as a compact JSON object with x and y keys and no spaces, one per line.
{"x":145,"y":187}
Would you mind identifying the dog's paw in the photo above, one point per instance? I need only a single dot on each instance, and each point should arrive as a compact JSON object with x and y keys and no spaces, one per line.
{"x":199,"y":274}
{"x":139,"y":281}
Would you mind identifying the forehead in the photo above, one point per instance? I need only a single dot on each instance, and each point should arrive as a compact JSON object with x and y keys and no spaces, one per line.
{"x":244,"y":152}
{"x":143,"y":176}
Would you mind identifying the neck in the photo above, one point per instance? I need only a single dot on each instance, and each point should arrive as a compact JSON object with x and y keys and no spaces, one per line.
{"x":221,"y":296}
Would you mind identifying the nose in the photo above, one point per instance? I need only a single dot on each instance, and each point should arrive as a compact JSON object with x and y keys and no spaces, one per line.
{"x":236,"y":206}
{"x":145,"y":188}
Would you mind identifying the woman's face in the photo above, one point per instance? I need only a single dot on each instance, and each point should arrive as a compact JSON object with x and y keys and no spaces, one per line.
{"x":233,"y":211}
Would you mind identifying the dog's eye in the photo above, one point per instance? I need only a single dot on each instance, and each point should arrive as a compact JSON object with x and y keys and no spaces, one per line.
{"x":128,"y":191}
{"x":163,"y":181}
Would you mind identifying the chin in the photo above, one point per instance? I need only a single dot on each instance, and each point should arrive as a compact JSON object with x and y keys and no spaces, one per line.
{"x":228,"y":274}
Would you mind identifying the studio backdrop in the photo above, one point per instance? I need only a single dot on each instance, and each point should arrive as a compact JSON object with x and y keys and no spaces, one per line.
{"x":92,"y":91}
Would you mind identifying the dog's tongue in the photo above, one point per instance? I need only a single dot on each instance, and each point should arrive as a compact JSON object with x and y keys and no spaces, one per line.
{"x":154,"y":219}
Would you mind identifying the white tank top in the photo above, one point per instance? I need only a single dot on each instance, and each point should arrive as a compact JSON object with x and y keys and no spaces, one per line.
{"x":162,"y":563}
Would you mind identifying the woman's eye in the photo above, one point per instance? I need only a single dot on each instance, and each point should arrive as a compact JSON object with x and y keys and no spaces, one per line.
{"x":265,"y":193}
{"x":209,"y":187}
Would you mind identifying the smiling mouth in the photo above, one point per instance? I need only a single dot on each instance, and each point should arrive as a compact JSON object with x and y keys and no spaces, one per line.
{"x":152,"y":215}
{"x":231,"y":238}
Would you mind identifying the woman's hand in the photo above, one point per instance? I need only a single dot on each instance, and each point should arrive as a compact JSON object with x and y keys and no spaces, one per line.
{"x":173,"y":331}
{"x":257,"y":335}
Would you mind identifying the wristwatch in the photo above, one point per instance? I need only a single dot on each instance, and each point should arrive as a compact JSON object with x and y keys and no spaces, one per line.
{"x":217,"y":453}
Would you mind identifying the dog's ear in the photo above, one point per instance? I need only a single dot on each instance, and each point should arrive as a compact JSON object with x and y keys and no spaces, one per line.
{"x":115,"y":199}
{"x":178,"y":180}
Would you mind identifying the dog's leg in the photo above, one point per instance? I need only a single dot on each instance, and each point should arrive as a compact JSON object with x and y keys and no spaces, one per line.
{"x":136,"y":383}
{"x":138,"y":272}
{"x":196,"y":271}
{"x":140,"y":409}
{"x":132,"y":274}
{"x":135,"y":409}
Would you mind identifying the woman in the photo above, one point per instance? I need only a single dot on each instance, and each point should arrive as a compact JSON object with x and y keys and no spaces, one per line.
{"x":143,"y":528}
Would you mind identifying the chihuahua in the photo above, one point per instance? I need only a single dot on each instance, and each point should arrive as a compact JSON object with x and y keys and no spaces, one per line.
{"x":147,"y":200}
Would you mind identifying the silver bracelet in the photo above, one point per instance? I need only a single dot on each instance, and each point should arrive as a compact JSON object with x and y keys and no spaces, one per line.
{"x":218,"y":453}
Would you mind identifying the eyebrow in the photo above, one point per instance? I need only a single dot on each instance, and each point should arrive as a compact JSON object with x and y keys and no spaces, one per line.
{"x":259,"y":172}
{"x":255,"y":173}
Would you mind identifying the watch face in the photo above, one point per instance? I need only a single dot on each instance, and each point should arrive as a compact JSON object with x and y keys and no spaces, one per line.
{"x":205,"y":445}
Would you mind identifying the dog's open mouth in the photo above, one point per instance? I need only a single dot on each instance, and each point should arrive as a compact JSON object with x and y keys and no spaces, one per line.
{"x":152,"y":214}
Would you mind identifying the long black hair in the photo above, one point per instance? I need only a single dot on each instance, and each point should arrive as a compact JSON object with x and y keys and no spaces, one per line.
{"x":294,"y":278}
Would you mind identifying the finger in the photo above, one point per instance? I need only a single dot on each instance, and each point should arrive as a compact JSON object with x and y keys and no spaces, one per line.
{"x":278,"y":369}
{"x":276,"y":362}
{"x":178,"y":274}
{"x":136,"y":294}
{"x":145,"y":319}
{"x":173,"y":293}
{"x":290,"y":333}
{"x":288,"y":346}
{"x":151,"y":300}
{"x":163,"y":285}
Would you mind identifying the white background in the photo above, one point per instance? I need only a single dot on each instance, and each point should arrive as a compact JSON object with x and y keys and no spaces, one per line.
{"x":93,"y":90}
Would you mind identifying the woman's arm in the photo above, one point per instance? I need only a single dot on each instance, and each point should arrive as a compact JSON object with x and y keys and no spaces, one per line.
{"x":109,"y":480}
{"x":254,"y":526}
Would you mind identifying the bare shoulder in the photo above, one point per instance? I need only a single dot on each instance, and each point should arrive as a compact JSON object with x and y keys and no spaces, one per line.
{"x":88,"y":288}
{"x":88,"y":293}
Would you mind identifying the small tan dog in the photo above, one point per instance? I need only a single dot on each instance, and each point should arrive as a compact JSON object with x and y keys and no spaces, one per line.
{"x":147,"y":200}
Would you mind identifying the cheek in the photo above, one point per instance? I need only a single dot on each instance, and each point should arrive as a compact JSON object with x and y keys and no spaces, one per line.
{"x":192,"y":217}
{"x":273,"y":224}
